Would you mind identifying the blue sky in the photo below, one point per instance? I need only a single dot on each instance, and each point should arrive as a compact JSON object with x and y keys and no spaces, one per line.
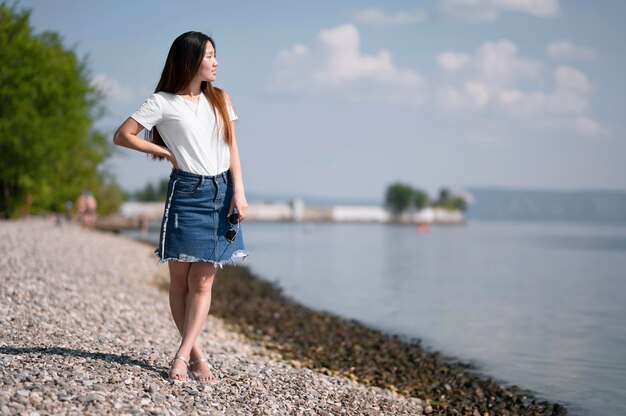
{"x":339,"y":99}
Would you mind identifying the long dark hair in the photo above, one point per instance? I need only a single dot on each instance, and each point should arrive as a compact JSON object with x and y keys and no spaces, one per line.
{"x":181,"y":65}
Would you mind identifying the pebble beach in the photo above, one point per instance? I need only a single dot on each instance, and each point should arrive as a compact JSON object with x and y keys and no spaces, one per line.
{"x":86,"y":329}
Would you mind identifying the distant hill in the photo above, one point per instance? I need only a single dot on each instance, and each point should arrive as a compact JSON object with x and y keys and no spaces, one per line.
{"x":547,"y":205}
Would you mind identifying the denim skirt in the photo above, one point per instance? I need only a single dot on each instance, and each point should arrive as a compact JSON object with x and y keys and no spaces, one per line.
{"x":195,"y":220}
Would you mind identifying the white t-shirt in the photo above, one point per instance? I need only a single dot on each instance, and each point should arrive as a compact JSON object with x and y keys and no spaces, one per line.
{"x":188,"y":130}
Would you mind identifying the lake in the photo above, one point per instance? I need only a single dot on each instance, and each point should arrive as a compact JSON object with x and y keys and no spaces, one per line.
{"x":539,"y":305}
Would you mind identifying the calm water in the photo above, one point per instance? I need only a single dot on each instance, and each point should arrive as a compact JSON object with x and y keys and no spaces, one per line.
{"x":537,"y":305}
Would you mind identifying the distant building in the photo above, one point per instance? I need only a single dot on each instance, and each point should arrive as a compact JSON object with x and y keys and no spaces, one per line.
{"x":359,"y":214}
{"x":436,"y":215}
{"x":269,"y":212}
{"x":297,"y":209}
{"x":152,"y":210}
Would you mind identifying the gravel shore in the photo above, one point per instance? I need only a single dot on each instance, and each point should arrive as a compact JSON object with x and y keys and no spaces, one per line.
{"x":84,"y":329}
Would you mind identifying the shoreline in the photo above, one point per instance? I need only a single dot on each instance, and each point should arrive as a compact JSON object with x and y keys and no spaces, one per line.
{"x":337,"y":346}
{"x":88,"y":331}
{"x":333,"y":345}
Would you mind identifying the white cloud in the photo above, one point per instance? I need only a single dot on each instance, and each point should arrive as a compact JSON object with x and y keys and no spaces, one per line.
{"x":378,"y":17}
{"x":495,"y":82}
{"x":487,"y":75}
{"x":566,"y":50}
{"x":112,"y":89}
{"x":490,"y":10}
{"x":336,"y":66}
{"x":498,"y":63}
{"x":478,"y":93}
{"x":568,"y":78}
{"x":450,"y":98}
{"x":590,"y":127}
{"x":451,"y":62}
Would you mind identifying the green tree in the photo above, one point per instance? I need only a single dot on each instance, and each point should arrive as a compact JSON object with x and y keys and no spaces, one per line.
{"x":445,"y":197}
{"x":398,"y":197}
{"x":109,"y":195}
{"x":49,"y":151}
{"x":448,"y":201}
{"x":153,"y":193}
{"x":460,"y":203}
{"x":420,"y":199}
{"x":147,"y":194}
{"x":401,"y":197}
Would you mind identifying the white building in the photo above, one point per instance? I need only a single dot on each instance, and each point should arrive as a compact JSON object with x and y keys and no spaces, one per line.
{"x":297,"y":209}
{"x":435,"y":215}
{"x":131,"y":209}
{"x":269,"y":212}
{"x":357,"y":213}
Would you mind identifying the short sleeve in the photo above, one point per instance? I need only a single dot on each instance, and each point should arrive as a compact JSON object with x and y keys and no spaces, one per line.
{"x":231,"y":110}
{"x":149,"y":113}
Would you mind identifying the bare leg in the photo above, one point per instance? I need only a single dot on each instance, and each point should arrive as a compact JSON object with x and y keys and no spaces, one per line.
{"x":190,"y":301}
{"x":179,"y":289}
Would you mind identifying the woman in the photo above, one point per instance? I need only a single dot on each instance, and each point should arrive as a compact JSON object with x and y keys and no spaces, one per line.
{"x":190,"y":123}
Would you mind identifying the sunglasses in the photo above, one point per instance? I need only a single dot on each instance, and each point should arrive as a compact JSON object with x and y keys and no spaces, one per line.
{"x":231,"y":233}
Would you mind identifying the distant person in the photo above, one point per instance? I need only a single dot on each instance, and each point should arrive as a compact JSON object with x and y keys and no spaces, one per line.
{"x":190,"y":123}
{"x":86,"y":207}
{"x":69,"y":205}
{"x":144,"y":225}
{"x":81,"y":208}
{"x":91,"y":208}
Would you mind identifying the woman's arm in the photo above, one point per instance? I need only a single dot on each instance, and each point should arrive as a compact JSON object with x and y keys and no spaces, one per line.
{"x":126,"y":136}
{"x":239,"y":197}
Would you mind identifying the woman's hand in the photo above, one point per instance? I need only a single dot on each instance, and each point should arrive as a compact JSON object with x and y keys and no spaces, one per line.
{"x":170,"y":156}
{"x":239,"y":201}
{"x":126,"y":136}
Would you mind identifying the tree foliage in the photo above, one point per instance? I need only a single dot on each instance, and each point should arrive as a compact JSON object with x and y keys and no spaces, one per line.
{"x":401,"y":197}
{"x":398,"y":197}
{"x":151,"y":193}
{"x":449,"y":201}
{"x":49,"y":151}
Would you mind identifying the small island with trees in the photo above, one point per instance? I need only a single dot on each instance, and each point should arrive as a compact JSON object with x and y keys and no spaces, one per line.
{"x":408,"y":204}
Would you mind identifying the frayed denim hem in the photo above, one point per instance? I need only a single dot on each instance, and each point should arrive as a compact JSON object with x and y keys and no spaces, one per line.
{"x":239,"y":254}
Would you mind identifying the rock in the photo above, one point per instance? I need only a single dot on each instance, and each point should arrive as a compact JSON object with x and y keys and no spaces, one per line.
{"x":91,"y":397}
{"x":23,"y":393}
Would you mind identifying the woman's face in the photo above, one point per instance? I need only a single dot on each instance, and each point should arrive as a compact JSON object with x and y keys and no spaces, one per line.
{"x":208,"y":66}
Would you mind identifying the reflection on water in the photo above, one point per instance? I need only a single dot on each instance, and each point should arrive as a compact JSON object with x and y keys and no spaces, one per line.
{"x":538,"y":305}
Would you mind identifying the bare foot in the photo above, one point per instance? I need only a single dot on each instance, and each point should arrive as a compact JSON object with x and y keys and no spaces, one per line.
{"x":201,"y":371}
